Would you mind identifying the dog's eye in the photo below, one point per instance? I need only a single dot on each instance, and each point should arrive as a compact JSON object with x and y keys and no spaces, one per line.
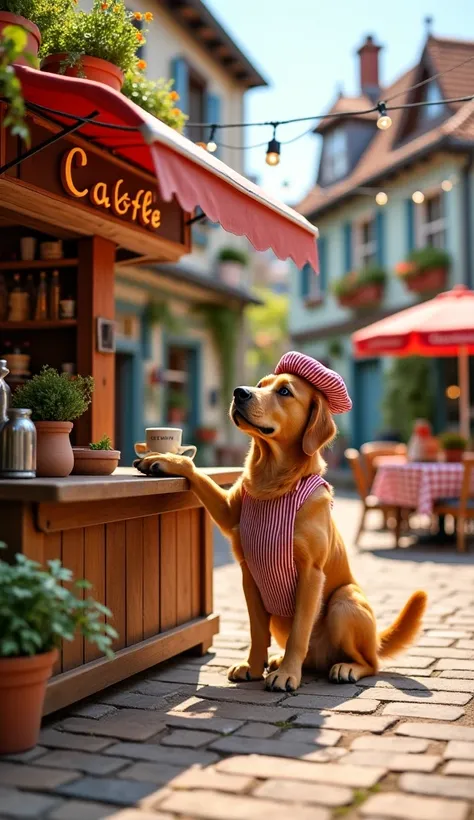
{"x":259,"y":384}
{"x":283,"y":391}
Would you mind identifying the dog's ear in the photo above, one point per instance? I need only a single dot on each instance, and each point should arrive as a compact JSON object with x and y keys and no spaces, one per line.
{"x":320,"y":429}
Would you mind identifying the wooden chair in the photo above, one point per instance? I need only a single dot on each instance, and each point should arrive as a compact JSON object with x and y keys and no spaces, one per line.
{"x":372,"y":450}
{"x":369,"y":502}
{"x":462,"y":508}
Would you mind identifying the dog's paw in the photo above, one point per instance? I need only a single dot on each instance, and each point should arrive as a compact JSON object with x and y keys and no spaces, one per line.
{"x":244,"y":672}
{"x":283,"y":680}
{"x":344,"y":673}
{"x":275,"y":662}
{"x":170,"y":463}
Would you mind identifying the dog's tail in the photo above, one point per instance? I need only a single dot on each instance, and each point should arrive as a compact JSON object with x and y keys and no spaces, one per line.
{"x":404,"y":629}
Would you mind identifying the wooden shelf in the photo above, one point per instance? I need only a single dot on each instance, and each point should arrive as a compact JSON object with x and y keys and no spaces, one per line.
{"x":39,"y":264}
{"x":47,"y":324}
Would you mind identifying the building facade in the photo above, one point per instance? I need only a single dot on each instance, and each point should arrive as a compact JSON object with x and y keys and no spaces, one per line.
{"x":420,"y":170}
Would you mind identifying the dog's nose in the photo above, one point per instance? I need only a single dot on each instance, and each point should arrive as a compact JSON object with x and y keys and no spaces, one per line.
{"x":242,"y":394}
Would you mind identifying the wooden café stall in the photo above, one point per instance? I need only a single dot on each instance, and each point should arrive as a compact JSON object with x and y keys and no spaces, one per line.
{"x":103,"y":184}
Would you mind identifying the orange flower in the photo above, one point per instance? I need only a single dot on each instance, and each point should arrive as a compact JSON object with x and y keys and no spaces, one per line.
{"x":116,"y":9}
{"x":148,"y":16}
{"x":138,"y":15}
{"x":174,"y":95}
{"x":175,"y":112}
{"x":141,"y":65}
{"x":104,"y":6}
{"x":140,"y":37}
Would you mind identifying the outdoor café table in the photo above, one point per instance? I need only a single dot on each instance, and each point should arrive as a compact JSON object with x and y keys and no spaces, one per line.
{"x":417,"y":485}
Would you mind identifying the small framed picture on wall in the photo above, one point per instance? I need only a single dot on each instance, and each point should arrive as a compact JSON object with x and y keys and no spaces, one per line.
{"x":105,"y":335}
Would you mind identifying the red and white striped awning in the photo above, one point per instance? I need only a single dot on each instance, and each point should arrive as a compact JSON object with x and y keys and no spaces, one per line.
{"x":182,"y":169}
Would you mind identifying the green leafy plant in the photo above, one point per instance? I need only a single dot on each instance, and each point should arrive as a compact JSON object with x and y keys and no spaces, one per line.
{"x":13,"y":44}
{"x":223,"y":324}
{"x":453,"y":441}
{"x":24,"y":8}
{"x":233,"y":255}
{"x":107,"y":32}
{"x":430,"y":259}
{"x":159,"y":313}
{"x":37,"y":611}
{"x":55,"y":397}
{"x":155,"y":96}
{"x":105,"y":443}
{"x":355,"y":280}
{"x":408,"y":395}
{"x":335,"y":349}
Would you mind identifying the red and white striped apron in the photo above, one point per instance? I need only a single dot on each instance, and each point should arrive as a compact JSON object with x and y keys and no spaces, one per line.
{"x":266,"y":533}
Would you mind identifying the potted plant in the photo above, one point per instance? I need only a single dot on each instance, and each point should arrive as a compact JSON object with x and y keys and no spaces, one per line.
{"x":55,"y":400}
{"x":361,"y":289}
{"x":426,"y":269}
{"x":99,"y":45}
{"x":206,"y":435}
{"x":21,"y":13}
{"x":453,"y":446}
{"x":232,"y":261}
{"x":155,"y":96}
{"x":177,"y":406}
{"x":96,"y":459}
{"x":37,"y":612}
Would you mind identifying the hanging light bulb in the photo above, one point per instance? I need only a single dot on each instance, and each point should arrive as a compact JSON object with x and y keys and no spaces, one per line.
{"x":212,"y":144}
{"x":418,"y":197}
{"x":384,"y":121}
{"x":273,"y":149}
{"x":381,"y":198}
{"x":447,"y":185}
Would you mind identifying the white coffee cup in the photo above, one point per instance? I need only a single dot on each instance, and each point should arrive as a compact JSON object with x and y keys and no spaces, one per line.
{"x":164,"y":440}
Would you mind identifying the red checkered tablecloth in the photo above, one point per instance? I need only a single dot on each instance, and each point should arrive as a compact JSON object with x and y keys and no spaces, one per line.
{"x":417,"y":485}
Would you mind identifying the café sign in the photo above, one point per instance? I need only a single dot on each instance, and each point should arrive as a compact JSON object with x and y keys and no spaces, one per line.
{"x":113,"y":195}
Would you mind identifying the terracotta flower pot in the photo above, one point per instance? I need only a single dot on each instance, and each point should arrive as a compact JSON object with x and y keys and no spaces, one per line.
{"x":365,"y":296}
{"x":206,"y":436}
{"x":177,"y":415}
{"x":453,"y":456}
{"x":33,"y":34}
{"x":427,"y":280}
{"x":92,"y":68}
{"x":54,"y":456}
{"x":94,"y":462}
{"x":22,"y":690}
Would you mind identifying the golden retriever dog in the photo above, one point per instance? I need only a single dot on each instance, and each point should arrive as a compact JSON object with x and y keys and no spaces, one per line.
{"x":333,"y":628}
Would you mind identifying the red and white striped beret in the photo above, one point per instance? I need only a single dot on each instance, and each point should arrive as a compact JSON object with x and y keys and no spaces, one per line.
{"x":327,"y":381}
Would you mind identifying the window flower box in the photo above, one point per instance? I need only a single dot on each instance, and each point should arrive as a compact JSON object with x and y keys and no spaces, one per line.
{"x":425,"y":271}
{"x":361,"y":289}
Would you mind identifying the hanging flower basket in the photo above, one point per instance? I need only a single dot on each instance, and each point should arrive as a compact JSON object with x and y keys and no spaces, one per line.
{"x":425,"y":271}
{"x":364,"y":297}
{"x":428,"y":280}
{"x":361,"y":289}
{"x":33,"y":42}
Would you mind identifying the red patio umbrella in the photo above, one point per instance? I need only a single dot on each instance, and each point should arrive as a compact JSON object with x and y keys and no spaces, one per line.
{"x":443,"y":326}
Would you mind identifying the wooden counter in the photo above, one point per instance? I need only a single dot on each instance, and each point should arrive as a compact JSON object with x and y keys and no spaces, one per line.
{"x":146,"y":546}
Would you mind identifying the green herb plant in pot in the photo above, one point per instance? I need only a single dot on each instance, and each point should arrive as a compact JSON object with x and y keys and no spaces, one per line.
{"x":55,"y":400}
{"x":36,"y":613}
{"x":96,"y":459}
{"x":99,"y":45}
{"x":177,"y":406}
{"x":20,"y":13}
{"x":453,"y":446}
{"x":232,"y":263}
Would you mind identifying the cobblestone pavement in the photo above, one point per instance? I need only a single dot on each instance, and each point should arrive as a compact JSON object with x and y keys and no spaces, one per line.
{"x":180,"y":741}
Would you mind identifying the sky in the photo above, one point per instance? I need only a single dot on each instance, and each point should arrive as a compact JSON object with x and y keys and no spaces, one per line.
{"x":306,"y":51}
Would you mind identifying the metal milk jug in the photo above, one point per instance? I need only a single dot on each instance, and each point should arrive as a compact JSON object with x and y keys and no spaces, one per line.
{"x":4,"y":393}
{"x":18,"y":445}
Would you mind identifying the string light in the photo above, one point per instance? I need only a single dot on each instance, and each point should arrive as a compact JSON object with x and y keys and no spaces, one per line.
{"x":384,"y":121}
{"x":447,"y":185}
{"x":212,"y":144}
{"x":418,"y":197}
{"x":273,"y":149}
{"x":453,"y":392}
{"x":381,"y":198}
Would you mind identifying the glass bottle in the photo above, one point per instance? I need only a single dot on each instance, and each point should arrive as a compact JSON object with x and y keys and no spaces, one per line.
{"x":54,"y":296}
{"x":18,"y":301}
{"x":41,"y":311}
{"x":31,"y":290}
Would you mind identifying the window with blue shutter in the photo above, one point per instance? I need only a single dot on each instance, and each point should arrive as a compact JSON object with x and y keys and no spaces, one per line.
{"x":410,"y":224}
{"x":347,"y":231}
{"x":306,"y":273}
{"x":213,"y":115}
{"x":179,"y":72}
{"x":323,"y":265}
{"x":380,"y":237}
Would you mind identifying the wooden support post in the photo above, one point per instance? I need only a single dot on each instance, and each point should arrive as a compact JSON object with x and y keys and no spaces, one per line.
{"x":95,"y":298}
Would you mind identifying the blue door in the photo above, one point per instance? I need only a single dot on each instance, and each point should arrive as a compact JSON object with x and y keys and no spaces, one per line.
{"x":367,"y":400}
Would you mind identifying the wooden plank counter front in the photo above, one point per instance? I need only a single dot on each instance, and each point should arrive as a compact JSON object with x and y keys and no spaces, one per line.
{"x":146,"y":546}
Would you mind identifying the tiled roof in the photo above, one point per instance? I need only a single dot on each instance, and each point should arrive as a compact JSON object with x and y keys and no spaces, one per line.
{"x":384,"y":151}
